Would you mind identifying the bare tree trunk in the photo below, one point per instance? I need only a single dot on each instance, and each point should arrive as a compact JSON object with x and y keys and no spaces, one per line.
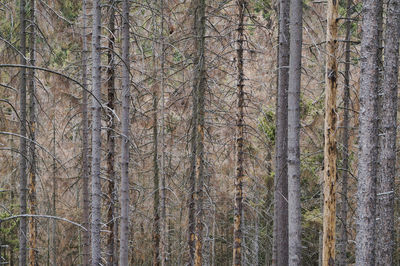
{"x":111,"y":193}
{"x":200,"y":79}
{"x":85,"y":142}
{"x":32,"y":130}
{"x":385,"y":196}
{"x":53,"y":254}
{"x":164,"y":222}
{"x":330,"y":153}
{"x":280,"y":230}
{"x":296,"y":15}
{"x":96,"y":135}
{"x":237,"y":226}
{"x":124,"y":245}
{"x":341,"y":243}
{"x":23,"y":146}
{"x":368,"y":147}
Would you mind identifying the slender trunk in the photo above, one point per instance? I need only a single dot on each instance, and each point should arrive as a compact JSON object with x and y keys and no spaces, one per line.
{"x":96,"y":135}
{"x":237,"y":226}
{"x":342,"y":232}
{"x":280,"y":249}
{"x":124,"y":245}
{"x":385,"y":224}
{"x":156,"y":184}
{"x":156,"y":169}
{"x":296,"y":14}
{"x":164,"y":222}
{"x":200,"y":21}
{"x":32,"y":128}
{"x":193,"y":144}
{"x":111,"y":138}
{"x":54,"y":194}
{"x":368,"y":148}
{"x":330,"y":153}
{"x":23,"y":145}
{"x":85,"y":143}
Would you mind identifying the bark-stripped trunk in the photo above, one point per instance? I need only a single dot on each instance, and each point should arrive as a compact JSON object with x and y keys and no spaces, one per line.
{"x":23,"y":146}
{"x":32,"y":131}
{"x":200,"y":83}
{"x":385,"y":196}
{"x":280,"y":230}
{"x":330,"y":152}
{"x":124,"y":245}
{"x":237,"y":226}
{"x":296,"y":12}
{"x":96,"y":135}
{"x":111,"y":138}
{"x":85,"y":144}
{"x":341,"y":244}
{"x":368,"y":148}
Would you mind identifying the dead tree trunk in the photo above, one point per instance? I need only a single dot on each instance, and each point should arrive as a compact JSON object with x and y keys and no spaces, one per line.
{"x":23,"y":146}
{"x":124,"y":245}
{"x":96,"y":135}
{"x":85,"y":143}
{"x":111,"y":193}
{"x":237,"y":226}
{"x":330,"y":153}
{"x":32,"y":134}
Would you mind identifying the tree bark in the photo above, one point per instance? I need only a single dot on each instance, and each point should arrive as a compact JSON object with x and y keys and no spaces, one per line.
{"x":296,"y":14}
{"x":341,"y":243}
{"x":280,"y":230}
{"x":330,"y":153}
{"x":368,"y":141}
{"x":385,"y":196}
{"x":23,"y":146}
{"x":111,"y":193}
{"x":96,"y":135}
{"x":200,"y":83}
{"x":237,"y":226}
{"x":124,"y":245}
{"x":32,"y":130}
{"x":85,"y":143}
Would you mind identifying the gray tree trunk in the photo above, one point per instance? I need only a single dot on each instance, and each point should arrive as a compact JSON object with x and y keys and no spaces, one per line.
{"x":280,"y":230}
{"x":85,"y":143}
{"x":385,"y":190}
{"x":23,"y":146}
{"x":341,"y":244}
{"x":296,"y":14}
{"x":111,"y":193}
{"x":368,"y":141}
{"x":124,"y":244}
{"x":96,"y":135}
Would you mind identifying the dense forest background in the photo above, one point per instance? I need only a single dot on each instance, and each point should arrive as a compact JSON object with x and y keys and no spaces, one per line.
{"x":166,"y":59}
